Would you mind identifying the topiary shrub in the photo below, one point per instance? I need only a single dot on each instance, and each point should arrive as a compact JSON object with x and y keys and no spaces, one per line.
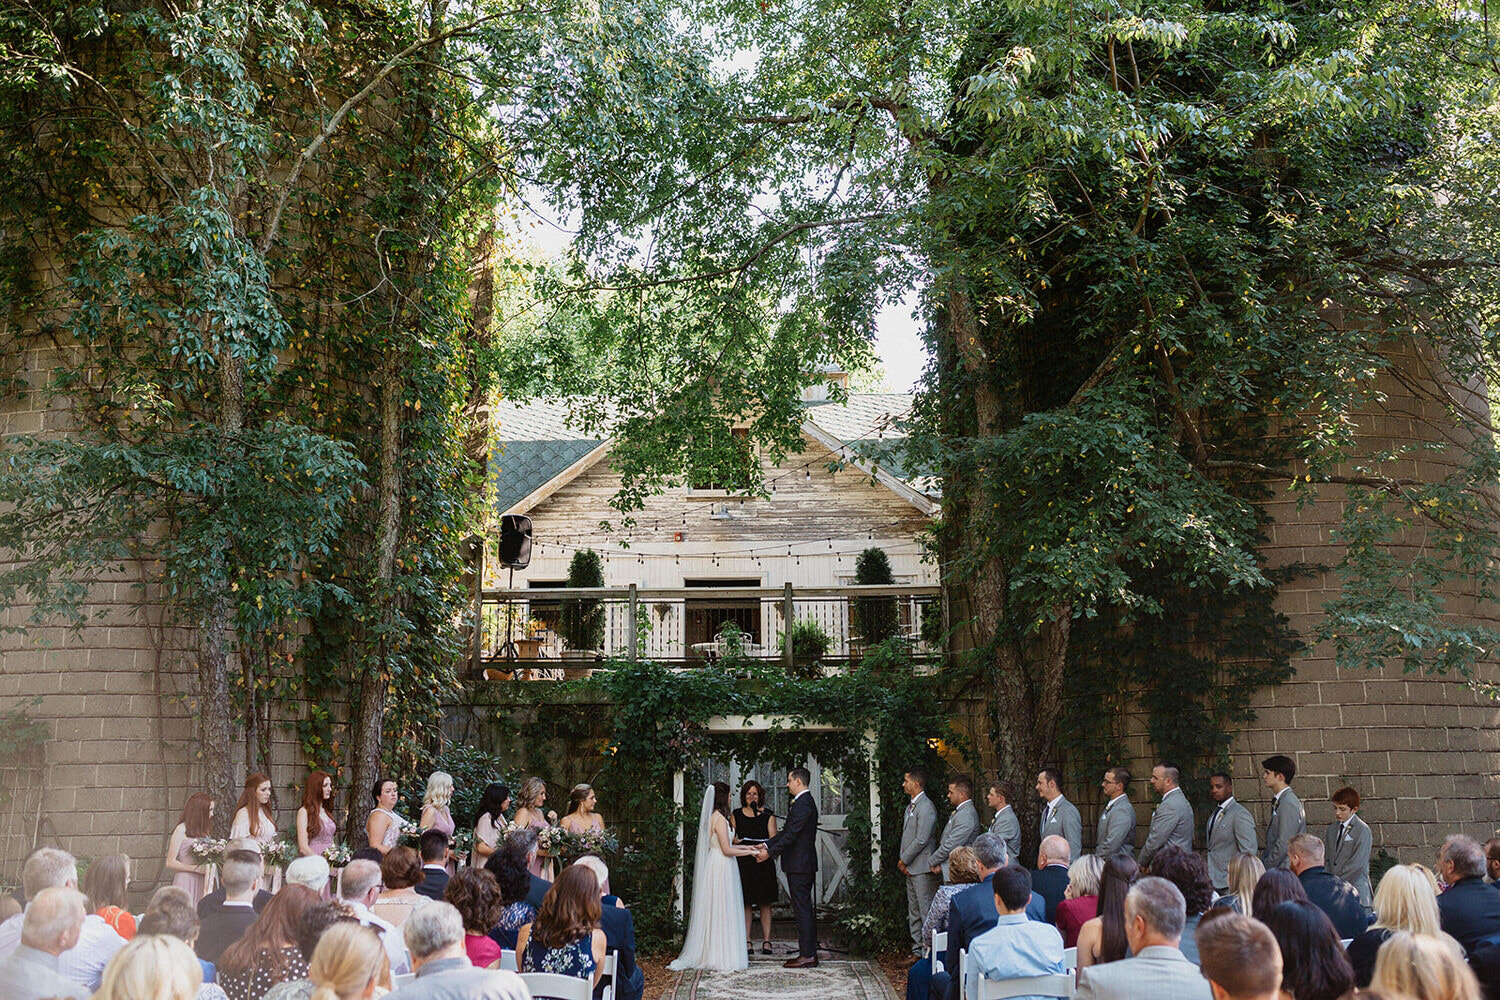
{"x":875,"y":618}
{"x":582,"y":620}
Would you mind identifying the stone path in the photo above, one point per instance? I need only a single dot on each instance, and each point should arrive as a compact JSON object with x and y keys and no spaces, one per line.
{"x":765,"y":979}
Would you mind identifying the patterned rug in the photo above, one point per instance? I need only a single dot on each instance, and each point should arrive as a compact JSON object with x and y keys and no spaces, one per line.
{"x":765,"y":979}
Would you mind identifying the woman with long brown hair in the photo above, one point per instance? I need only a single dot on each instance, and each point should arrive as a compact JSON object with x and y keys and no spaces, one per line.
{"x":104,"y":884}
{"x":1102,"y":939}
{"x":315,"y":826}
{"x":253,"y":813}
{"x":196,"y":822}
{"x":565,"y":937}
{"x":268,"y":952}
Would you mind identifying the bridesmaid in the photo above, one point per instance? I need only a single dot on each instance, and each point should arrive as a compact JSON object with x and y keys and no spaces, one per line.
{"x":315,"y":827}
{"x":490,"y":823}
{"x":582,"y":817}
{"x":252,"y":814}
{"x":435,"y":812}
{"x":383,"y":826}
{"x":533,"y":797}
{"x":187,"y":873}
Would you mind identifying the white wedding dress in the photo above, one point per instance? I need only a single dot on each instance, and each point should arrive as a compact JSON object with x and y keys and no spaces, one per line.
{"x":716,"y":921}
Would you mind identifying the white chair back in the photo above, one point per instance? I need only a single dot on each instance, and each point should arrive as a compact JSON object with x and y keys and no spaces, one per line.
{"x":1058,"y":985}
{"x":403,"y":979}
{"x":1345,"y":942}
{"x":554,"y":987}
{"x":939,"y":947}
{"x":609,"y":973}
{"x":1070,"y":959}
{"x":508,"y":960}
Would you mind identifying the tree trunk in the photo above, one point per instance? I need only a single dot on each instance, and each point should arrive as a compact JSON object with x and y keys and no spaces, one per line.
{"x":216,"y":635}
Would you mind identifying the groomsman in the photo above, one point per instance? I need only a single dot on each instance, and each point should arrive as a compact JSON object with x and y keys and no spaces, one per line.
{"x":1059,"y":816}
{"x":1230,"y":830}
{"x":1005,"y":825}
{"x":1347,"y":844}
{"x":1117,"y":820}
{"x":962,"y":826}
{"x":1172,"y":822}
{"x":918,"y":831}
{"x":1287,"y":818}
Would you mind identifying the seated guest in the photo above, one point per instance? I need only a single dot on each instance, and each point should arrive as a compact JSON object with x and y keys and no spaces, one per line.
{"x":104,"y":884}
{"x":399,"y":873}
{"x":316,"y":919}
{"x":1275,"y":887}
{"x":311,"y":870}
{"x":525,"y":841}
{"x":1016,"y":946}
{"x":513,"y":875}
{"x":267,"y":954}
{"x":1313,"y":963}
{"x":1190,"y":875}
{"x":1470,"y":909}
{"x":1424,"y":967}
{"x":1154,"y":915}
{"x":1051,"y":878}
{"x":1102,"y":938}
{"x":619,"y":936}
{"x":973,"y":912}
{"x":964,"y":869}
{"x":435,"y":937}
{"x":476,"y":896}
{"x":226,"y":924}
{"x":1327,"y":891}
{"x":1347,"y":845}
{"x":1081,"y":900}
{"x":1239,"y":957}
{"x":565,"y":937}
{"x":213,"y":900}
{"x":358,"y":889}
{"x":84,"y":962}
{"x":171,"y":912}
{"x":51,"y":925}
{"x":349,"y":963}
{"x":1492,"y":860}
{"x":1404,"y":902}
{"x":154,"y":966}
{"x":434,"y":849}
{"x":1245,"y":871}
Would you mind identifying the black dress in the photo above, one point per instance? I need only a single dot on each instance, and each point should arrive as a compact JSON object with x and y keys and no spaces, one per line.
{"x":757,"y":879}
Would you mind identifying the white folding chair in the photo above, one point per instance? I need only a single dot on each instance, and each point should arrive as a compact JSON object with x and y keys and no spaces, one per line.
{"x":1059,"y":985}
{"x":403,"y":979}
{"x":939,"y":948}
{"x":960,"y":969}
{"x":609,"y":973}
{"x":508,"y":960}
{"x":1070,"y":959}
{"x":550,"y":986}
{"x":1345,"y":942}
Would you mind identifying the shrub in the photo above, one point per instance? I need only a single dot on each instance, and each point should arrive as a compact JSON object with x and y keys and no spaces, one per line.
{"x":582,"y":624}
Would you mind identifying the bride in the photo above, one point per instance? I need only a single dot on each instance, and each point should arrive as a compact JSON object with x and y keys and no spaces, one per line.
{"x":716,"y":922}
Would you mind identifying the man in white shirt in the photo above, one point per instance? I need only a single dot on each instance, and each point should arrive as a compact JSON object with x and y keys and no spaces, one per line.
{"x":358,"y":889}
{"x":1230,"y":830}
{"x":1172,"y":822}
{"x":1117,"y":819}
{"x":1059,"y":816}
{"x":1287,"y":816}
{"x":918,"y":840}
{"x":1005,"y":825}
{"x":51,"y":926}
{"x":84,"y":962}
{"x":962,"y":826}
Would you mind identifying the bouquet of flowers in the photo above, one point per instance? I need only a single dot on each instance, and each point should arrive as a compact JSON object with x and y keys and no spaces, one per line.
{"x":338,"y":855}
{"x":209,"y":850}
{"x":407,"y":831}
{"x":279,"y":853}
{"x":551,"y":839}
{"x":576,"y":845}
{"x":461,"y":843}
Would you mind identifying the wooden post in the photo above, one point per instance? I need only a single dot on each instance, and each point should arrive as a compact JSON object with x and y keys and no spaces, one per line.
{"x":678,"y":791}
{"x":786,"y":624}
{"x":870,"y":744}
{"x":635,"y":607}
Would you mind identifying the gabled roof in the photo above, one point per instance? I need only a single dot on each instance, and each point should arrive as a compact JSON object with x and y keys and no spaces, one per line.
{"x":538,"y":447}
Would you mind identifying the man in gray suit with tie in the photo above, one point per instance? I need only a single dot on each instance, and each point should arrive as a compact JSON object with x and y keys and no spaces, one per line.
{"x":918,"y":837}
{"x":1230,"y":831}
{"x":1060,"y":817}
{"x":1287,"y":818}
{"x":1117,"y":819}
{"x":962,"y":826}
{"x":1172,"y":822}
{"x":1005,"y":825}
{"x":1347,"y":844}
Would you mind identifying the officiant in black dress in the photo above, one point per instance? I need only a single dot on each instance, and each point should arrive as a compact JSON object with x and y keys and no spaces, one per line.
{"x":755,"y":824}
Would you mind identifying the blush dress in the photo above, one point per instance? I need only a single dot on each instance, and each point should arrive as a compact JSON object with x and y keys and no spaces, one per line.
{"x":193,"y":882}
{"x":541,"y":867}
{"x":442,"y":821}
{"x":322,"y":842}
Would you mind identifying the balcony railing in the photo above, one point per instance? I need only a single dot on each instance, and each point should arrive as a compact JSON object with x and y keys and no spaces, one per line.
{"x":522,"y":631}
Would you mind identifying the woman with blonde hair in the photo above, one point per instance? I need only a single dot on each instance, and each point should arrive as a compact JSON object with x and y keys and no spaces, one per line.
{"x":1080,"y":902}
{"x":532,"y":797}
{"x":1245,"y":871}
{"x":349,"y":963}
{"x":1405,"y":901}
{"x":435,"y":812}
{"x":151,"y":967}
{"x":1423,"y":966}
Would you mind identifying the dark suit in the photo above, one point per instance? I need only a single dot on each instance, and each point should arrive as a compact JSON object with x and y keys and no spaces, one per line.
{"x":1051,"y":883}
{"x":1339,"y":900}
{"x":1470,"y":911}
{"x":797,"y":846}
{"x":222,"y":928}
{"x":539,"y":887}
{"x":619,"y":935}
{"x":970,"y":914}
{"x":434,"y":881}
{"x":214,"y":900}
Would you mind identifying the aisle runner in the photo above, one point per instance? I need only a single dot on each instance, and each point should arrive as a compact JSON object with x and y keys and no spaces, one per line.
{"x":766,"y":980}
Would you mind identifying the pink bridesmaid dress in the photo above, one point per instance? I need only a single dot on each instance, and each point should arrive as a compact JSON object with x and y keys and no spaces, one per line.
{"x":540,"y":866}
{"x":193,"y":882}
{"x":442,"y":821}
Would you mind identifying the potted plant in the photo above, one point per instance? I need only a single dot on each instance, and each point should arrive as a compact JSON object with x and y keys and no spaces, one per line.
{"x":809,"y":645}
{"x":582,"y":619}
{"x":875,"y":618}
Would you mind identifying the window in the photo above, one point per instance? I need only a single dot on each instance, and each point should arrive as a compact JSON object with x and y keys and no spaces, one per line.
{"x":546,"y":609}
{"x":717,"y":482}
{"x":706,"y":615}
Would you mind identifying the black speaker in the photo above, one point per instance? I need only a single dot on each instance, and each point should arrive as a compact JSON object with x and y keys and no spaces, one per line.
{"x":515,"y":541}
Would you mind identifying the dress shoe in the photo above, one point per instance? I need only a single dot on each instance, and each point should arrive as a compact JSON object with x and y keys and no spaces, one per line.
{"x":800,"y":963}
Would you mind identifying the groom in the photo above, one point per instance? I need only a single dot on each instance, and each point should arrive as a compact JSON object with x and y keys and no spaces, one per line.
{"x":797,"y":845}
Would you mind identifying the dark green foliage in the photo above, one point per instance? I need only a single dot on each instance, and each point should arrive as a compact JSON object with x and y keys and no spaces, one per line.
{"x":875,"y":618}
{"x":810,"y":644}
{"x":582,"y":624}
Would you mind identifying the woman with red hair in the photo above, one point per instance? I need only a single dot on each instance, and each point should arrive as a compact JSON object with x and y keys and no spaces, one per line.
{"x":315,"y":827}
{"x":253,"y":816}
{"x":196,"y":821}
{"x":268,"y":953}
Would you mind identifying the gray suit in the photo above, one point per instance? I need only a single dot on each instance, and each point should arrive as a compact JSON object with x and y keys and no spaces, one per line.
{"x":1172,"y":823}
{"x":1061,"y":818}
{"x":1158,"y":972}
{"x":1287,"y":820}
{"x":1230,"y":830}
{"x":961,"y":829}
{"x":457,"y":979}
{"x":1348,"y":857}
{"x":29,"y":974}
{"x":918,"y":838}
{"x":1116,"y":828}
{"x":1007,"y":827}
